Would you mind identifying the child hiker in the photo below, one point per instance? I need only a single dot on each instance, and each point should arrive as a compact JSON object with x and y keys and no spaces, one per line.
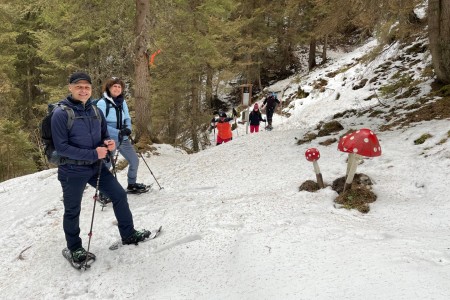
{"x":255,"y":118}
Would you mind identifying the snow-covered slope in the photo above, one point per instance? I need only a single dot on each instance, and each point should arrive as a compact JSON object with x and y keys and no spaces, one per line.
{"x":235,"y":225}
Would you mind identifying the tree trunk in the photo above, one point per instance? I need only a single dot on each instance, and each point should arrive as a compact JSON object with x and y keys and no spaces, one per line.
{"x":324,"y":50}
{"x":209,"y":87}
{"x":141,"y":72}
{"x":439,"y":36}
{"x":312,"y":54}
{"x":260,"y":86}
{"x":194,"y":114}
{"x":173,"y":124}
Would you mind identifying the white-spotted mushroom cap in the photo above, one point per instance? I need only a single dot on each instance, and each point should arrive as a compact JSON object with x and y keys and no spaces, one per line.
{"x":362,"y":142}
{"x":341,"y":143}
{"x":312,"y":154}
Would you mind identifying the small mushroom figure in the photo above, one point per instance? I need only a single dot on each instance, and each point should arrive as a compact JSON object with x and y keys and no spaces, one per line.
{"x":360,"y":143}
{"x":344,"y":146}
{"x":313,"y":155}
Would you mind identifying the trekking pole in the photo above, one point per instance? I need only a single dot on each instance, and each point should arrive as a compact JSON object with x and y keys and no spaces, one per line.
{"x":93,"y":210}
{"x":213,"y":124}
{"x":235,"y":121}
{"x":114,"y":159}
{"x":113,"y":163}
{"x":235,"y":118}
{"x":214,"y":132}
{"x":160,"y":188}
{"x":120,"y":143}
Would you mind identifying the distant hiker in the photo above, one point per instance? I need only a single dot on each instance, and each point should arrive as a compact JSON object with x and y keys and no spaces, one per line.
{"x":115,"y":109}
{"x":224,"y":133}
{"x":270,"y":104}
{"x":82,"y":149}
{"x":255,"y":118}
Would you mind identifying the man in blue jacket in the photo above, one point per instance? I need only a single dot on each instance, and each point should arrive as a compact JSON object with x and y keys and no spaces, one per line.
{"x":82,"y":149}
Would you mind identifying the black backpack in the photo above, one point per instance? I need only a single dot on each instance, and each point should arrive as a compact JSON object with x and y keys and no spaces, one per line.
{"x":46,"y":129}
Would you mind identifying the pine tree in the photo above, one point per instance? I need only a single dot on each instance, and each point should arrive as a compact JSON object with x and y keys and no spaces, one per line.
{"x":439,"y":33}
{"x":27,"y":63}
{"x":195,"y":41}
{"x":8,"y":90}
{"x":16,"y":151}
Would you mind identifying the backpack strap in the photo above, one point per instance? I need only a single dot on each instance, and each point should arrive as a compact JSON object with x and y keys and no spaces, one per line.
{"x":108,"y":106}
{"x":97,"y":114}
{"x":70,"y":115}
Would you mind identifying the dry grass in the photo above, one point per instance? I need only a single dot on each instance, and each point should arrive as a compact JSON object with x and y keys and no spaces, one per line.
{"x":358,"y":197}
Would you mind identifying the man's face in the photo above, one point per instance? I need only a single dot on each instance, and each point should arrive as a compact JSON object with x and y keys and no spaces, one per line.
{"x":81,"y":90}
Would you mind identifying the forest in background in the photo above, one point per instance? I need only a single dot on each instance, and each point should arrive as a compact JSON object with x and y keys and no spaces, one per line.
{"x":202,"y":51}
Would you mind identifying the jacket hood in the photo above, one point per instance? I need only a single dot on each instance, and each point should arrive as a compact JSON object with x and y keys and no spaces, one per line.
{"x":107,"y":97}
{"x":116,"y":102}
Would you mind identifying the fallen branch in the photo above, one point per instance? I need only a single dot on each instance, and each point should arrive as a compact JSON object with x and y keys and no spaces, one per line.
{"x":20,"y":255}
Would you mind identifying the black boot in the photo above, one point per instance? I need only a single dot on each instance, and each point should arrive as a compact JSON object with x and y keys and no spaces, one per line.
{"x":136,"y":237}
{"x":80,"y":255}
{"x":137,"y":188}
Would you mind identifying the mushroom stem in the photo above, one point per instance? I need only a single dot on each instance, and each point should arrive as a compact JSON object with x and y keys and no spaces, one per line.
{"x":351,"y":172}
{"x":318,"y":174}
{"x":316,"y":167}
{"x":350,"y":160}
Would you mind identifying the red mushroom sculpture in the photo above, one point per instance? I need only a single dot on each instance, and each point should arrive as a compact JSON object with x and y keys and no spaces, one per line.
{"x":313,"y":155}
{"x":360,"y":143}
{"x":344,"y":147}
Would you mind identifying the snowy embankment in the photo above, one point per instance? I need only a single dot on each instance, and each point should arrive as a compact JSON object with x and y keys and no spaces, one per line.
{"x":236,"y":226}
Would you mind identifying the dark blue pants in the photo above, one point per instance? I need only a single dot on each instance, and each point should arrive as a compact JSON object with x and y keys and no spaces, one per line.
{"x":73,"y":188}
{"x":269,"y":114}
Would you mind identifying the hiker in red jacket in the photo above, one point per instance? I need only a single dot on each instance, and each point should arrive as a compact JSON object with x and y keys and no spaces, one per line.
{"x":223,"y":125}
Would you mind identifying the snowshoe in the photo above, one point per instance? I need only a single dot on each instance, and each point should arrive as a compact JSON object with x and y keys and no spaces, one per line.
{"x":103,"y":200}
{"x":138,"y":188}
{"x":80,"y":258}
{"x":136,"y":238}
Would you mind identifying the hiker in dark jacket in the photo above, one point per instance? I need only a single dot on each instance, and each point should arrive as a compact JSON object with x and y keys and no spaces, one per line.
{"x":270,"y":104}
{"x":255,"y":118}
{"x":83,"y":148}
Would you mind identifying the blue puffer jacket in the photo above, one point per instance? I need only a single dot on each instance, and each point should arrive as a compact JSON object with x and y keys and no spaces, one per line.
{"x":115,"y":114}
{"x":80,"y":142}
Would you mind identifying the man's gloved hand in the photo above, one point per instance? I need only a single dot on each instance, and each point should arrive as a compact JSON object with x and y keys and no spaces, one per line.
{"x":125,"y":132}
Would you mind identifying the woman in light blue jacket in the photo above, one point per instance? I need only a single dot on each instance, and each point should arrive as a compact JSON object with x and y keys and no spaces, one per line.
{"x":118,"y":119}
